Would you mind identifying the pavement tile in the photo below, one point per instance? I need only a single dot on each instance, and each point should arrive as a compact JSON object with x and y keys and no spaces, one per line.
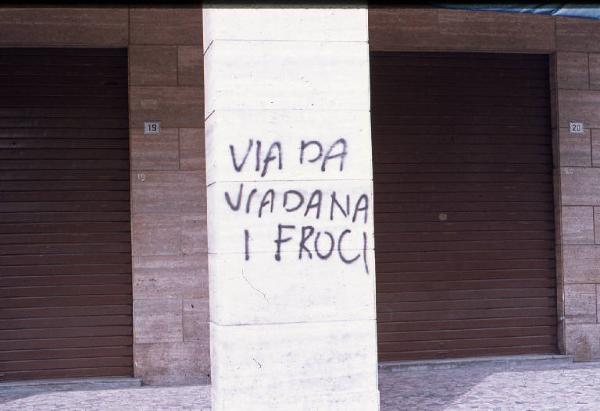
{"x":542,"y":386}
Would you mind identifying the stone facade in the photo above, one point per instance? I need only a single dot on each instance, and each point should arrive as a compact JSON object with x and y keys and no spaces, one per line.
{"x":168,"y":194}
{"x":168,"y":191}
{"x":574,"y":47}
{"x":577,"y":98}
{"x":292,"y":298}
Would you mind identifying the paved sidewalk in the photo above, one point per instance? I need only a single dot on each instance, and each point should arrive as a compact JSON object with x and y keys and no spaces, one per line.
{"x":134,"y":399}
{"x":474,"y":386}
{"x":541,"y":386}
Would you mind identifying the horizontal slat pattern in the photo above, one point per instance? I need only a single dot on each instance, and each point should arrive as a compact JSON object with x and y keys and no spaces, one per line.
{"x":65,"y":242}
{"x":464,"y":215}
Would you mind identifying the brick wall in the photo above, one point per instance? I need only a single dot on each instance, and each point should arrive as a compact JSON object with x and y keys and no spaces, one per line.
{"x":574,"y":47}
{"x":168,"y":189}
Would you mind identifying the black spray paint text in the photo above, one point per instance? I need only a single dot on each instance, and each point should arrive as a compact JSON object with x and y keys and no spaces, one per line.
{"x":304,"y":241}
{"x":315,"y":204}
{"x":265,"y":158}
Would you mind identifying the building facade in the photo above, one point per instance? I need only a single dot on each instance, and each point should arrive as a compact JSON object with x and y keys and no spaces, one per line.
{"x":484,"y":130}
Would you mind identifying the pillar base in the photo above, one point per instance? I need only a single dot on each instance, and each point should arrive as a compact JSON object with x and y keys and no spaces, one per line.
{"x":338,"y":401}
{"x":306,"y":366}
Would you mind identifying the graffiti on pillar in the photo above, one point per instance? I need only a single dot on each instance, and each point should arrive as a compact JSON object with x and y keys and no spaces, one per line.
{"x":306,"y":238}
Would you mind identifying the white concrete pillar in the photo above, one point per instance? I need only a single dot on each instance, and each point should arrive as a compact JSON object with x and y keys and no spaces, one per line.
{"x":290,"y":209}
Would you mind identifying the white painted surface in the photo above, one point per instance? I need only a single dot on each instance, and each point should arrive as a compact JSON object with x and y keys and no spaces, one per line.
{"x":576,"y":127}
{"x":287,"y":329}
{"x":151,"y":127}
{"x":291,"y":290}
{"x":312,"y":24}
{"x":281,"y":75}
{"x":267,"y":367}
{"x":289,"y":128}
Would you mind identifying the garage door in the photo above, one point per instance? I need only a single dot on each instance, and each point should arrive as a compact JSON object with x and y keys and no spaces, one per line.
{"x":464,"y":214}
{"x":65,"y":253}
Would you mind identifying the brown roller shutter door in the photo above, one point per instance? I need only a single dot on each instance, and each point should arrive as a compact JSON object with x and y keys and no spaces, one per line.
{"x":65,"y":247}
{"x":464,"y":212}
